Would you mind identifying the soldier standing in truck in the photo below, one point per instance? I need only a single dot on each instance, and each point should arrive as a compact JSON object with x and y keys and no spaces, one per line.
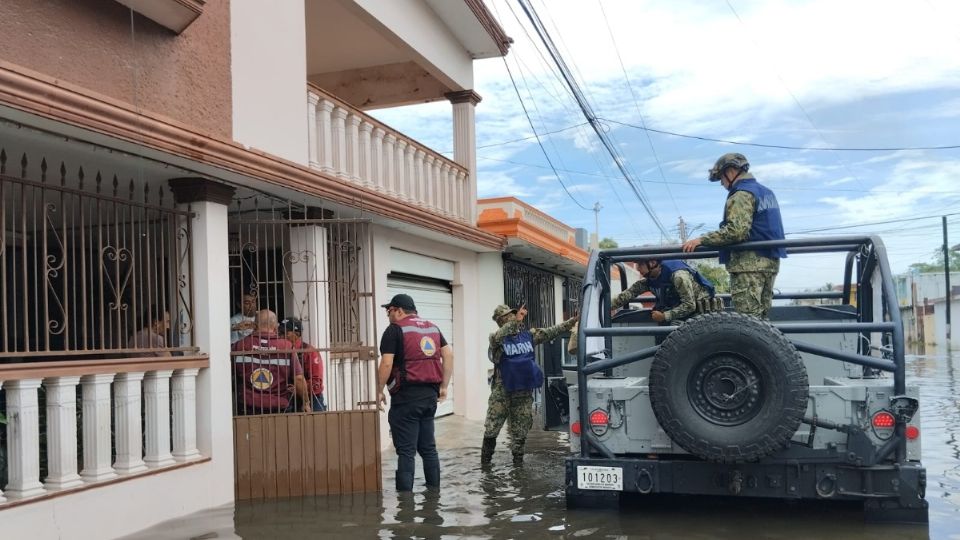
{"x":750,"y":214}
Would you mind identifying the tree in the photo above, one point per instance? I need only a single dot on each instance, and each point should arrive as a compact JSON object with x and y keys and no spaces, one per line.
{"x":608,"y":243}
{"x":936,"y":265}
{"x":715,"y":274}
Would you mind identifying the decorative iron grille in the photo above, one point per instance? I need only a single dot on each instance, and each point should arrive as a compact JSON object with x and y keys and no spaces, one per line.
{"x":91,"y":265}
{"x":524,"y":284}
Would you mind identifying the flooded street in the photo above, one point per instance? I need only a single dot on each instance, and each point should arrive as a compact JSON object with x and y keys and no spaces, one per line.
{"x":528,"y":502}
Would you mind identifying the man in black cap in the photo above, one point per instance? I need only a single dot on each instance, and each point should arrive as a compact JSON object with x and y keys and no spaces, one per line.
{"x":415,"y":366}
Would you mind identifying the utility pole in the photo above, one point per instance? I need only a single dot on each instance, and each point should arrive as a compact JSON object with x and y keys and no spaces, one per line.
{"x":682,"y":226}
{"x":946,"y":275}
{"x":596,"y":225}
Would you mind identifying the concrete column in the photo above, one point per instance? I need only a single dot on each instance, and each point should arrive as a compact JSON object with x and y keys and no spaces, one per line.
{"x":377,"y":171}
{"x":409,"y":192}
{"x":390,"y":164}
{"x":465,"y":145}
{"x":62,"y":433}
{"x":96,"y":405}
{"x":23,"y":439}
{"x":429,"y":193}
{"x":156,"y":399}
{"x":183,"y":388}
{"x":365,"y":156}
{"x":208,"y":201}
{"x":400,"y":169}
{"x":340,"y":141}
{"x":353,"y":147}
{"x":418,"y":191}
{"x":308,"y":276}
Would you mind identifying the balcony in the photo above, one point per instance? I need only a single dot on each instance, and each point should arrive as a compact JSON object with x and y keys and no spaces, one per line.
{"x":353,"y":146}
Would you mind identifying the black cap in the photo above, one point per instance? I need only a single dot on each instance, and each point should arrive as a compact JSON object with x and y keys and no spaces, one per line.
{"x":292,"y":324}
{"x":402,"y":301}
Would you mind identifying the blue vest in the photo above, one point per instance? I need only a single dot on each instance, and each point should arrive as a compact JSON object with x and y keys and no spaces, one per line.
{"x":518,"y":364}
{"x":767,"y":224}
{"x":662,"y":286}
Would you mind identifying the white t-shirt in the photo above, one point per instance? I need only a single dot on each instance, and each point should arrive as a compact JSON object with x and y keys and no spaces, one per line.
{"x":237,"y":335}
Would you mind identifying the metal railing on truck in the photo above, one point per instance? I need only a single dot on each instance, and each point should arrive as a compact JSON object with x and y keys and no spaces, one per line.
{"x":869,"y":254}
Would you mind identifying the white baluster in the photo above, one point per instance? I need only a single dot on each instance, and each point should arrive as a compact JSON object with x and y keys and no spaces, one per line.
{"x":353,"y":147}
{"x":410,"y":173}
{"x":62,"y":433}
{"x":444,"y":188}
{"x":95,"y":402}
{"x":429,"y":194}
{"x":400,"y":169}
{"x":325,"y":134}
{"x":419,"y":171}
{"x":156,"y":399}
{"x":184,"y":389}
{"x":127,"y":412}
{"x":390,"y":164}
{"x":463,"y":192}
{"x":377,"y":172}
{"x":23,"y":439}
{"x":437,"y":177}
{"x":312,"y":138}
{"x":340,"y":141}
{"x":364,"y":173}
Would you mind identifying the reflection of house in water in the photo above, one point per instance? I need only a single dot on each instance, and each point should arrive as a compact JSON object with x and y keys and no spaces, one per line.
{"x":158,"y":163}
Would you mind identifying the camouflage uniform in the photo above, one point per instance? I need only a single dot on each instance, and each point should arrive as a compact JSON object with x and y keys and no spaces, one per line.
{"x":751,"y":275}
{"x":687,"y":287}
{"x":516,"y":408}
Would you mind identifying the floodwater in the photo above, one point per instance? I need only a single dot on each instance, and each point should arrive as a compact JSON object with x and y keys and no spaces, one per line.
{"x":528,"y":502}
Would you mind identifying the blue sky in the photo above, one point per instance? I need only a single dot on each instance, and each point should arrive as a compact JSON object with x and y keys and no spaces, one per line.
{"x":815,"y":73}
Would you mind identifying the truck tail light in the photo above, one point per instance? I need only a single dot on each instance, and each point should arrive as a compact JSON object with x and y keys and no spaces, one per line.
{"x":883,"y":419}
{"x":599,"y":418}
{"x":575,"y":428}
{"x":912,"y":432}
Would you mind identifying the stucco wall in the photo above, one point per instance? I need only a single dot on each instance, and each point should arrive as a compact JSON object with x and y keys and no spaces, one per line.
{"x":269,"y":68}
{"x":96,"y":45}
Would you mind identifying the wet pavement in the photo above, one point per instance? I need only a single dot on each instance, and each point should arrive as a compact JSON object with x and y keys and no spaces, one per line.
{"x":528,"y":502}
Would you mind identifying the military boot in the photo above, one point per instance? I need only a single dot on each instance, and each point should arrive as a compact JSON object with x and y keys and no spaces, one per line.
{"x":486,"y":451}
{"x":518,"y":452}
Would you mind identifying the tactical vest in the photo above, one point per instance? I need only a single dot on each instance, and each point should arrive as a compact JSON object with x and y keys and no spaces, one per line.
{"x":662,"y":285}
{"x":767,"y":223}
{"x":263,"y":373}
{"x":421,"y":362}
{"x":518,"y":364}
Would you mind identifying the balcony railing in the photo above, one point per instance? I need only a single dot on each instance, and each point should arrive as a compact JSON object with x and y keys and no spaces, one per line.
{"x":353,"y":146}
{"x":55,"y":442}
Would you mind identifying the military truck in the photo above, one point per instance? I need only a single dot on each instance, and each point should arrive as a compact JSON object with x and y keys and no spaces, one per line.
{"x":812,"y":404}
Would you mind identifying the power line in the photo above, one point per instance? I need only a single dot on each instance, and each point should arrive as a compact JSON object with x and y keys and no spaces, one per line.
{"x":587,"y":110}
{"x":522,"y":139}
{"x":783,"y":146}
{"x":887,"y":222}
{"x":539,"y":142}
{"x":636,"y":103}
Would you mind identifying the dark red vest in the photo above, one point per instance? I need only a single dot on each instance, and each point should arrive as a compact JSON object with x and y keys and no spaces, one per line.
{"x":421,"y":355}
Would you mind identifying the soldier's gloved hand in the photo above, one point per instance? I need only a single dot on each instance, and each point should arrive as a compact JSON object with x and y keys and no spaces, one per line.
{"x":658,"y":316}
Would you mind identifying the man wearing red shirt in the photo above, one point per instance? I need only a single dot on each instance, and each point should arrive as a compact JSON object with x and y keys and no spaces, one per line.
{"x":266,"y":369}
{"x":292,"y":330}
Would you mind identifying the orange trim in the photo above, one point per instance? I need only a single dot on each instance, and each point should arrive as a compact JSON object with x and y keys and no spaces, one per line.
{"x":44,"y":96}
{"x":518,"y":228}
{"x":514,"y":200}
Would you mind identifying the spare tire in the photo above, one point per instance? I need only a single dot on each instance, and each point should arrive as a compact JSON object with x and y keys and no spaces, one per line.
{"x":728,"y":387}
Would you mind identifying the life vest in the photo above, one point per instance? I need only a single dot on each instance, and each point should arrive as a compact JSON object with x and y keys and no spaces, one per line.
{"x":263,"y":373}
{"x":518,"y":364}
{"x":662,"y":285}
{"x":421,"y":362}
{"x":767,"y":223}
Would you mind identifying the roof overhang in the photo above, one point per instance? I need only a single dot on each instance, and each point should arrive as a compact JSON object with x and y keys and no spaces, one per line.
{"x":474,"y":26}
{"x":526,"y":252}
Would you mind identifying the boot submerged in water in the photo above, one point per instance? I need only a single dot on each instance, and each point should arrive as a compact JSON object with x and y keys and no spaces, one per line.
{"x":486,"y":451}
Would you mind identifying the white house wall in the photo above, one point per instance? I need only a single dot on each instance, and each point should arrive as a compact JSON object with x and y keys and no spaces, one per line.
{"x":939,"y":336}
{"x":269,"y":69}
{"x":477,"y":289}
{"x":419,"y":27}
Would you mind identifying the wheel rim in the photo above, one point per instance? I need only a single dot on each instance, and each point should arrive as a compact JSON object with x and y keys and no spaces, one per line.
{"x":726,"y":389}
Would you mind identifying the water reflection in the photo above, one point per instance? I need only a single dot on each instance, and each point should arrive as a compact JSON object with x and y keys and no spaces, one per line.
{"x":507,"y":502}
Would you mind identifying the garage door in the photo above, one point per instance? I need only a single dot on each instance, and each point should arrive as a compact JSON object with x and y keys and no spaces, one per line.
{"x":434,"y":301}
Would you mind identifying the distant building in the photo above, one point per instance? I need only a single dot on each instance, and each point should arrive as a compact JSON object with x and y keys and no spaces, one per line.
{"x":922,"y":298}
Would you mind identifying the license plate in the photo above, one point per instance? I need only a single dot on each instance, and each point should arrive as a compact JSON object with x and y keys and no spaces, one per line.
{"x":603,"y":478}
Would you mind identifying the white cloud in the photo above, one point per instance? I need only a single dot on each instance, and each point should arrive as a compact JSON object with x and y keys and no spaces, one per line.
{"x":786,"y":170}
{"x":840,"y":181}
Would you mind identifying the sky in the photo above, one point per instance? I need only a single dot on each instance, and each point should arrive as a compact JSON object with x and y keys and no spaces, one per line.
{"x":815,"y":74}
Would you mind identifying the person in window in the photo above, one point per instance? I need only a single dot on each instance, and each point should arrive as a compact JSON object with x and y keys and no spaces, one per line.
{"x":153,"y":335}
{"x":242,"y":324}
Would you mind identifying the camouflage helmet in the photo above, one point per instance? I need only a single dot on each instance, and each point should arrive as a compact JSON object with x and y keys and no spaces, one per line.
{"x":502,"y":311}
{"x":728,"y":160}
